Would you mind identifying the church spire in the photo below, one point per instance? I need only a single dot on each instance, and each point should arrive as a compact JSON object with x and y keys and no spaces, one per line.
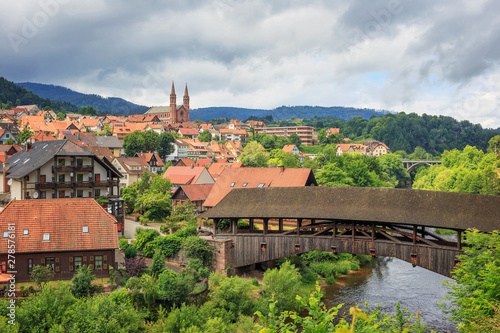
{"x":186,"y":98}
{"x":173,"y":105}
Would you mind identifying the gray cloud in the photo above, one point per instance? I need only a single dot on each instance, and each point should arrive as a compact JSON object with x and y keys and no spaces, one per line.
{"x":414,"y":56}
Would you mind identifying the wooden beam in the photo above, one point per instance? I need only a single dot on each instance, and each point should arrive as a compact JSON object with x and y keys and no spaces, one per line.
{"x":383,"y":233}
{"x":299,"y":225}
{"x":280,"y":225}
{"x":322,"y":231}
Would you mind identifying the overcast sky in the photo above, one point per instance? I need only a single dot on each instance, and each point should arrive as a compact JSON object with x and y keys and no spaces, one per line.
{"x":434,"y":57}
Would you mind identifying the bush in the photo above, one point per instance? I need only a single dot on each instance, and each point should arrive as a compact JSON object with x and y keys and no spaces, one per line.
{"x":186,"y":232}
{"x":330,"y":280}
{"x":123,"y":244}
{"x":130,"y":252}
{"x":283,"y":284}
{"x":363,"y":259}
{"x":317,"y":256}
{"x":325,"y":269}
{"x":308,"y":276}
{"x":255,"y":282}
{"x":343,"y":267}
{"x":168,"y":245}
{"x":242,"y":224}
{"x":81,"y":282}
{"x":144,"y":236}
{"x":197,"y":247}
{"x":354,"y":266}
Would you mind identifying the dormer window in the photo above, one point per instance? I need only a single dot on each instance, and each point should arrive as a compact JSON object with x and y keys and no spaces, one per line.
{"x":26,"y":232}
{"x":46,"y":237}
{"x":261,"y":185}
{"x":245,"y":184}
{"x":85,"y":229}
{"x":233,"y":183}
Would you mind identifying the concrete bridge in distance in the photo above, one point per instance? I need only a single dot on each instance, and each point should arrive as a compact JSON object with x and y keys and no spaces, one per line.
{"x":410,"y":165}
{"x":373,"y":221}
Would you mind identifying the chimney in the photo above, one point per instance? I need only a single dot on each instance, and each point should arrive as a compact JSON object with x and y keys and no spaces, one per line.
{"x":6,"y":187}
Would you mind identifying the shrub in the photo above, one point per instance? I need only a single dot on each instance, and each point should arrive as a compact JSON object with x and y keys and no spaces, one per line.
{"x":354,"y":266}
{"x":330,"y":280}
{"x":123,"y":244}
{"x":130,"y":252}
{"x":363,"y":259}
{"x":144,"y":236}
{"x":255,"y":282}
{"x":283,"y":284}
{"x":316,"y":256}
{"x":242,"y":224}
{"x":81,"y":282}
{"x":186,"y":232}
{"x":168,"y":245}
{"x":197,"y":247}
{"x":343,"y":267}
{"x":158,"y":264}
{"x":308,"y":276}
{"x":325,"y":269}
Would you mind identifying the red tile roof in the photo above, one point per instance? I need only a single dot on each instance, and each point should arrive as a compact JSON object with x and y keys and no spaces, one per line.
{"x":195,"y":192}
{"x":146,"y":157}
{"x":188,"y":131}
{"x":203,"y":162}
{"x":216,"y":168}
{"x":183,"y":174}
{"x":63,"y":220}
{"x":254,"y":177}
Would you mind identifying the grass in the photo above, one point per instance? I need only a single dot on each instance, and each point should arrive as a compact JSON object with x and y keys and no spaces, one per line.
{"x":54,"y":283}
{"x":312,"y":149}
{"x":445,"y":231}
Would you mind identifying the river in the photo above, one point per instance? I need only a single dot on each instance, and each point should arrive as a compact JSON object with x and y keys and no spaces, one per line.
{"x":386,"y":281}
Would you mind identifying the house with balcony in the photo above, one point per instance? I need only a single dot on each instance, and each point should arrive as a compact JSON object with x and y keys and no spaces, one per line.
{"x":58,"y":169}
{"x":131,"y":168}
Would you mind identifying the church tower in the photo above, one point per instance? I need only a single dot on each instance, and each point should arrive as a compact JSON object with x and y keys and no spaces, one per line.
{"x":186,"y":99}
{"x":173,"y":105}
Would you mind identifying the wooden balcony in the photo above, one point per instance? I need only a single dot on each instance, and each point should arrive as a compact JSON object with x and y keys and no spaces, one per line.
{"x":72,"y":168}
{"x":76,"y":184}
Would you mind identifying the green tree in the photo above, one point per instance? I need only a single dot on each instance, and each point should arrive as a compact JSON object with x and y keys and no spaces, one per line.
{"x":10,"y":141}
{"x":198,"y":248}
{"x":475,"y":294}
{"x":87,"y":111}
{"x":129,"y":195}
{"x":81,"y":282}
{"x":494,"y":144}
{"x":42,"y":275}
{"x":165,"y":145}
{"x":254,"y":155}
{"x":173,"y":288}
{"x":294,"y":139}
{"x":283,"y":285}
{"x":61,"y":116}
{"x":151,"y":140}
{"x":183,"y":216}
{"x":205,"y":136}
{"x":25,"y":134}
{"x":392,"y":166}
{"x":133,"y":143}
{"x":158,"y":264}
{"x":232,"y":294}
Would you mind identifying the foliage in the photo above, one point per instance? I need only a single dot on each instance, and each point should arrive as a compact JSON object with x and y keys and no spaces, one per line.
{"x":151,"y":141}
{"x":24,"y":135}
{"x":330,"y":280}
{"x":197,"y":248}
{"x":144,"y":236}
{"x":158,"y":264}
{"x":135,"y":266}
{"x":81,"y":282}
{"x":130,"y":252}
{"x":186,"y":232}
{"x":41,"y":275}
{"x":183,"y":216}
{"x":129,"y":195}
{"x":167,"y":245}
{"x":153,"y":196}
{"x":165,"y":145}
{"x":476,"y":293}
{"x":123,"y":244}
{"x":173,"y":288}
{"x":87,"y":111}
{"x":394,"y":170}
{"x":294,"y":139}
{"x":494,"y":145}
{"x":233,"y":295}
{"x":284,"y":284}
{"x":254,"y":155}
{"x":470,"y":171}
{"x":205,"y":136}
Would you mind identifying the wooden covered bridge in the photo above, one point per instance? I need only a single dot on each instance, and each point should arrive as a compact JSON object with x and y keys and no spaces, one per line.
{"x":373,"y":221}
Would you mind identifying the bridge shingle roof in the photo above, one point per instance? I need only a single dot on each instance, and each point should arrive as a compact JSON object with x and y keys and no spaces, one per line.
{"x":383,"y":205}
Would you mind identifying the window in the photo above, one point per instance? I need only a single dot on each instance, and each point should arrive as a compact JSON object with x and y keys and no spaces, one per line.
{"x":30,"y":265}
{"x":61,"y":162}
{"x":5,"y":234}
{"x":85,"y":229}
{"x":26,"y":232}
{"x":261,"y":185}
{"x":46,"y":237}
{"x":50,"y":263}
{"x":60,"y":178}
{"x":79,"y":193}
{"x":245,"y":184}
{"x":79,"y":177}
{"x":97,"y":193}
{"x":232,"y":184}
{"x":98,"y":262}
{"x":79,"y":162}
{"x":77,"y":262}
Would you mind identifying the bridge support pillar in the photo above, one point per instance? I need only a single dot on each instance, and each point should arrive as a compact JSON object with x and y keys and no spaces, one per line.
{"x":234,"y":226}
{"x":299,"y":225}
{"x":280,"y":225}
{"x":216,"y":226}
{"x":251,"y":225}
{"x":266,"y":225}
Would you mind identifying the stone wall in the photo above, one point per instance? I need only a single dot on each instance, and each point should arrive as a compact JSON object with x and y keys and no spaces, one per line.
{"x":222,"y":259}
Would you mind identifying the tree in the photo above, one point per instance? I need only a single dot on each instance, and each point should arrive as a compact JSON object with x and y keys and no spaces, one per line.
{"x":158,"y":264}
{"x":129,"y":195}
{"x":135,"y":266}
{"x":173,"y":288}
{"x":294,"y":139}
{"x":165,"y":145}
{"x":183,"y":216}
{"x":81,"y":282}
{"x":283,"y":285}
{"x":151,"y":139}
{"x":254,"y":155}
{"x":475,"y":296}
{"x":494,"y":144}
{"x":233,"y":295}
{"x":392,"y":166}
{"x":25,"y":134}
{"x":87,"y":111}
{"x":206,"y":136}
{"x":61,"y":116}
{"x":133,"y":143}
{"x":10,"y":141}
{"x":42,"y":275}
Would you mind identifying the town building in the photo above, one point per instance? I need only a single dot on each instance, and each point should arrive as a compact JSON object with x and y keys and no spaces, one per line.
{"x":305,"y":133}
{"x":58,"y":169}
{"x":179,"y":175}
{"x":257,"y":177}
{"x":153,"y":160}
{"x":174,"y":113}
{"x":62,"y":234}
{"x":131,"y":168}
{"x":196,"y":193}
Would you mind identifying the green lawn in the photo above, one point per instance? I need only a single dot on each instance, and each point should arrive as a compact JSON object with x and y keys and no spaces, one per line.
{"x":312,"y":149}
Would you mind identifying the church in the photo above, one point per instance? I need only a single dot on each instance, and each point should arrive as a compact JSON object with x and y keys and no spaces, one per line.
{"x":175,"y":113}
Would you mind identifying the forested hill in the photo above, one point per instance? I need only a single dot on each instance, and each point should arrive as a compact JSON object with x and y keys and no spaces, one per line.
{"x":109,"y":105}
{"x":285,"y":112}
{"x":12,"y":95}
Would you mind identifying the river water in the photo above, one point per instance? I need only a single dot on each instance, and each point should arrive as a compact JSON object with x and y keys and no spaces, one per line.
{"x":386,"y":281}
